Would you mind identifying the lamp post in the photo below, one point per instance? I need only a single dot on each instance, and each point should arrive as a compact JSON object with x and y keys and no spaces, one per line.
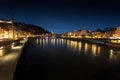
{"x":13,"y":32}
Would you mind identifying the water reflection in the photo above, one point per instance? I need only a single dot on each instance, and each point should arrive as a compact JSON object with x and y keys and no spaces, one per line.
{"x":52,"y":41}
{"x":73,"y":45}
{"x":114,"y":55}
{"x":1,"y":52}
{"x":80,"y":47}
{"x":96,"y":50}
{"x":86,"y":47}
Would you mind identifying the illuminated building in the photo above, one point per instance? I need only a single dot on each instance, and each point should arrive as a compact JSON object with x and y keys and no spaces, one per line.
{"x":116,"y":35}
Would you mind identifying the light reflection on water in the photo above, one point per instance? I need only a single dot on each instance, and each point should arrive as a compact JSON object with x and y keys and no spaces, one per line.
{"x":1,"y":52}
{"x":114,"y":55}
{"x":85,"y":48}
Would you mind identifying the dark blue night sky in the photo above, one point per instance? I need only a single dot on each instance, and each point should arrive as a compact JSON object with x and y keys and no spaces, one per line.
{"x":63,"y":15}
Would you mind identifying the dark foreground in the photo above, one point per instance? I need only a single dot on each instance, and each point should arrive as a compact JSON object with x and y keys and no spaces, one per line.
{"x":59,"y":59}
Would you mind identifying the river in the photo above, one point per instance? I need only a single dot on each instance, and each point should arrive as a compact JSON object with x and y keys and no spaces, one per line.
{"x":62,"y":59}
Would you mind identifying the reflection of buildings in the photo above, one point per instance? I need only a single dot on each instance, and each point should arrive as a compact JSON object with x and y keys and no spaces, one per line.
{"x":111,"y":34}
{"x":114,"y":55}
{"x":82,"y":48}
{"x":95,"y":50}
{"x":86,"y":47}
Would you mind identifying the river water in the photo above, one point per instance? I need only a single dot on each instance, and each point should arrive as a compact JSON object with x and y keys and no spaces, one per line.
{"x":61,"y":59}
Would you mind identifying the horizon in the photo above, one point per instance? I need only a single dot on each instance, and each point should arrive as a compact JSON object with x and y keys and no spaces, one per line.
{"x":58,"y":33}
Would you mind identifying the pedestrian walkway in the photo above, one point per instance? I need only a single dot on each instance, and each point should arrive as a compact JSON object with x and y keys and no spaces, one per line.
{"x":8,"y":63}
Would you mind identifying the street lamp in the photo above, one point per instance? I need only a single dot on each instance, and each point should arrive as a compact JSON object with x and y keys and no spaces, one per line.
{"x":13,"y":29}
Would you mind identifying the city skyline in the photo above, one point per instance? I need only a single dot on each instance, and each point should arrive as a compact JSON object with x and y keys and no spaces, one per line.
{"x":63,"y":15}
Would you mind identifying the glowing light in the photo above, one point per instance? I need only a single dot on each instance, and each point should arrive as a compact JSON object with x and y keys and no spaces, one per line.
{"x":17,"y":47}
{"x":118,"y":41}
{"x":57,"y":41}
{"x":1,"y":52}
{"x":1,"y":47}
{"x":40,"y":41}
{"x":115,"y":41}
{"x":10,"y":57}
{"x":13,"y":45}
{"x":111,"y":51}
{"x":53,"y":41}
{"x":46,"y":40}
{"x":43,"y":41}
{"x":74,"y":45}
{"x":68,"y":43}
{"x":1,"y":21}
{"x":99,"y":50}
{"x":37,"y":41}
{"x":94,"y":49}
{"x":79,"y":46}
{"x":62,"y":42}
{"x":111,"y":56}
{"x":86,"y":47}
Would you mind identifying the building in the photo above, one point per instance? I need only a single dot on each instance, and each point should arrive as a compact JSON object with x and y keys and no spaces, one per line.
{"x":77,"y":34}
{"x":116,"y":35}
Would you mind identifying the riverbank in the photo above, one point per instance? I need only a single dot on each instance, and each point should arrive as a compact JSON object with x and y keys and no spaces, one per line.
{"x":105,"y":42}
{"x":7,"y":45}
{"x":9,"y":61}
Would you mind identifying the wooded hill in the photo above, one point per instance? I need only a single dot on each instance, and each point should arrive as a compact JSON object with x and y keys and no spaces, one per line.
{"x":33,"y":29}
